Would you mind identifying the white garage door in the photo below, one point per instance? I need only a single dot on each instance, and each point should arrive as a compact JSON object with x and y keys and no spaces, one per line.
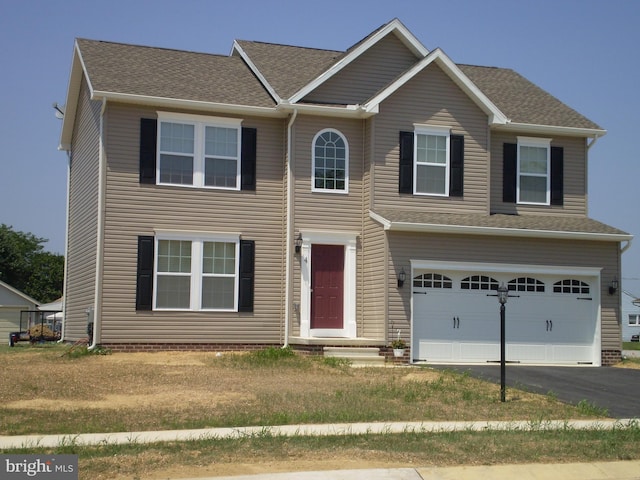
{"x":550,"y":319}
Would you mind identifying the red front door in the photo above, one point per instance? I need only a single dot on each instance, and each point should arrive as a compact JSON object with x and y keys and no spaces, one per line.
{"x":327,"y":286}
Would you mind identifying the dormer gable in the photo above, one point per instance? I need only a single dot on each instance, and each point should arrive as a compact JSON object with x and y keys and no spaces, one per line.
{"x":355,"y":52}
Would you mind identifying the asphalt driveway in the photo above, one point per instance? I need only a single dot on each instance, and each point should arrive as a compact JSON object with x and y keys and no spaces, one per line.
{"x":616,"y":389}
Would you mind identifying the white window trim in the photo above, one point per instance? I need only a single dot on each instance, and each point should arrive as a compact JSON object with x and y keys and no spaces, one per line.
{"x":200,"y":122}
{"x":539,"y":143}
{"x":636,"y":316}
{"x":346,"y":163}
{"x":197,"y":240}
{"x":439,"y":131}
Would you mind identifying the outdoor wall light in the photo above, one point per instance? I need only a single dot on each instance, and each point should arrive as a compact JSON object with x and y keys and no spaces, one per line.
{"x":298,"y":242}
{"x":613,"y":288}
{"x":401,"y":277}
{"x":503,"y":294}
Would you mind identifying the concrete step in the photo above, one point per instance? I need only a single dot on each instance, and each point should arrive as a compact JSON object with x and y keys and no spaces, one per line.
{"x":358,"y":356}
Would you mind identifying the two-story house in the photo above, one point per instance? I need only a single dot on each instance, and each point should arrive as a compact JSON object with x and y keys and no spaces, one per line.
{"x":283,"y":195}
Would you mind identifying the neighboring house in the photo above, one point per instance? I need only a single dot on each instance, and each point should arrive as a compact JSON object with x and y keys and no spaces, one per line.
{"x":279,"y":195}
{"x":12,"y":302}
{"x":630,"y":316}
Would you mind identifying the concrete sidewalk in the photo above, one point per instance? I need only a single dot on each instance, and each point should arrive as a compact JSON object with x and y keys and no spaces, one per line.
{"x":624,"y":470}
{"x":118,"y":438}
{"x":629,"y":470}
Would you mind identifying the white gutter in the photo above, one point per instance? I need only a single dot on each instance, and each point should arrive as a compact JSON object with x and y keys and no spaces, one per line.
{"x":97,"y":300}
{"x":289,"y":237}
{"x":551,"y":129}
{"x":347,"y":111}
{"x":497,"y":231}
{"x":186,"y":104}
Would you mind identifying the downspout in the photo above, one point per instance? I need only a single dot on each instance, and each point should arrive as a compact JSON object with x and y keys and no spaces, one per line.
{"x":97,"y":301}
{"x":66,"y":249}
{"x":288,"y":239}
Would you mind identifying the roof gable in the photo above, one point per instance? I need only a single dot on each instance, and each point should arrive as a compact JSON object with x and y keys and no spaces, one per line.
{"x":374,"y":69}
{"x":451,"y":69}
{"x":395,"y":26}
{"x":8,"y":293}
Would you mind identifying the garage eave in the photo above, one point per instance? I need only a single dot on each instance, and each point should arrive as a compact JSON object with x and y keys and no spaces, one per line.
{"x":401,"y":226}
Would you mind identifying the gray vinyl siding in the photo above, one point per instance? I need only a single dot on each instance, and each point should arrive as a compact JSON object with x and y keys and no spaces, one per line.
{"x":83,"y":214}
{"x":431,"y":98}
{"x":575,"y":177}
{"x":366,"y":75}
{"x":404,"y":247}
{"x":134,"y":209}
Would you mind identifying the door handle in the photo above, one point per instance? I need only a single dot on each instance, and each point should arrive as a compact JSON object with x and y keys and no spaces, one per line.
{"x":551,"y":323}
{"x":547,"y":325}
{"x":456,"y":322}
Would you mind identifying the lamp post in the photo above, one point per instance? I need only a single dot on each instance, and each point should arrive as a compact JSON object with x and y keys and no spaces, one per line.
{"x":503,"y":294}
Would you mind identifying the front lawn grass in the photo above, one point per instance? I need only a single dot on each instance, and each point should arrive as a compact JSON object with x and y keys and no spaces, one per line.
{"x":47,"y":390}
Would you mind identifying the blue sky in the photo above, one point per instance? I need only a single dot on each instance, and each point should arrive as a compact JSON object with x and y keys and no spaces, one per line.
{"x":583,"y":52}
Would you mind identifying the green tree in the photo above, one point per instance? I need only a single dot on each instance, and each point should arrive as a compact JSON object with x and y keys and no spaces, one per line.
{"x":26,"y":266}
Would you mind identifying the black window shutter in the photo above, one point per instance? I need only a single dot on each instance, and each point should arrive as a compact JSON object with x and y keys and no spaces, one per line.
{"x":509,"y":172}
{"x":405,"y":177}
{"x":456,"y":171}
{"x":557,"y":176}
{"x":247,"y":262}
{"x":148,"y":141}
{"x":248,"y":159}
{"x":144,"y":287}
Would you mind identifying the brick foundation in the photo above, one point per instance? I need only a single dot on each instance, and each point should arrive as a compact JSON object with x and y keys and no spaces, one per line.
{"x":611,"y":357}
{"x":186,"y":347}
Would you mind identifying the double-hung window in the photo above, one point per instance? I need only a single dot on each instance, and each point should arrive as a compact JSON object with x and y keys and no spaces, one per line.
{"x":431,"y":166}
{"x":534,"y":171}
{"x":196,"y":272}
{"x":330,"y":162}
{"x":199,"y":151}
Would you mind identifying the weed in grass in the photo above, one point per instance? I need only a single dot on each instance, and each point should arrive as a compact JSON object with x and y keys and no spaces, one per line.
{"x":552,"y":396}
{"x":590,"y":409}
{"x":84,"y":352}
{"x":335,"y":362}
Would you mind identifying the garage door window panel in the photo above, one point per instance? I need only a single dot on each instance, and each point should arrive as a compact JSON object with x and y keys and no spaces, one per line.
{"x":479,"y":282}
{"x":572,"y":286}
{"x":432,"y":280}
{"x":526,"y":284}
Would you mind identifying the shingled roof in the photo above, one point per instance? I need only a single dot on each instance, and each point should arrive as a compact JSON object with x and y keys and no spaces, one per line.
{"x":522,"y":101}
{"x":288,"y":68}
{"x":513,"y":225}
{"x":227,"y":79}
{"x":159,"y":72}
